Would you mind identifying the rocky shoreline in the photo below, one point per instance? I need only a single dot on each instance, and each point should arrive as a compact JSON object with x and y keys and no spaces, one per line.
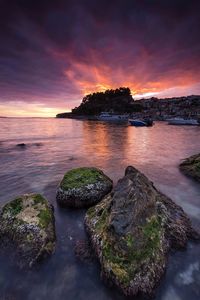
{"x":132,"y":231}
{"x":131,"y":228}
{"x":120,"y":101}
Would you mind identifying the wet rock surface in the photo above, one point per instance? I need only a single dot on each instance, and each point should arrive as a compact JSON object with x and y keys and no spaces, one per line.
{"x":132,"y":231}
{"x":83,"y":187}
{"x":27,"y":229}
{"x":191,"y":166}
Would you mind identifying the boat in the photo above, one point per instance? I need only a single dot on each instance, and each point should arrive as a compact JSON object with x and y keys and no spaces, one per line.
{"x":141,"y":122}
{"x":181,"y":121}
{"x":108,"y":116}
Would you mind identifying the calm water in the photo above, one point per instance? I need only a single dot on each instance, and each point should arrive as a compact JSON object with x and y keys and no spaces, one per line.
{"x":53,"y":147}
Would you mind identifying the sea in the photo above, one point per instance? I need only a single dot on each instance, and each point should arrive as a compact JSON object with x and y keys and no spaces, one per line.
{"x":54,"y":146}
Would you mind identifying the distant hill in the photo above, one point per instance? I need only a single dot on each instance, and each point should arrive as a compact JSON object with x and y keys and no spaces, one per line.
{"x":117,"y":101}
{"x":120,"y":101}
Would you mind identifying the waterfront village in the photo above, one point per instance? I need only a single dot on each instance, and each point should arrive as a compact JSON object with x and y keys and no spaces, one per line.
{"x":120,"y":101}
{"x":186,"y":107}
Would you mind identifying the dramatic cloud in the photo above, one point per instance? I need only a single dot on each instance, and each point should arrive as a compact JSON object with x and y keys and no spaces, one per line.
{"x":54,"y":52}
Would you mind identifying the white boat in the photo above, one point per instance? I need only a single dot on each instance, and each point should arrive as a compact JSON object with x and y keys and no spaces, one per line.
{"x":181,"y":121}
{"x":107,"y":116}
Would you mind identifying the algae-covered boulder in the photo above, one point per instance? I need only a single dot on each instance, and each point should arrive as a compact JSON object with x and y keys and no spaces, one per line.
{"x":83,"y":187}
{"x":27,"y":229}
{"x":132,"y":230}
{"x":191,"y":166}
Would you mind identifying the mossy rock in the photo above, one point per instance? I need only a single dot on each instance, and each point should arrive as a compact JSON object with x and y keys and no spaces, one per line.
{"x":132,"y":231}
{"x":83,"y":187}
{"x":27,"y":228}
{"x":191,"y":166}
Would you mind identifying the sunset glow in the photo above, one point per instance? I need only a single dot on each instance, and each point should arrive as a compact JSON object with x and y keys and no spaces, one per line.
{"x":52,"y":54}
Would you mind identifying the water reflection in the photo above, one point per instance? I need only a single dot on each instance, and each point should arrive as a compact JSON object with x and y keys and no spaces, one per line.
{"x":67,"y":144}
{"x":105,"y":144}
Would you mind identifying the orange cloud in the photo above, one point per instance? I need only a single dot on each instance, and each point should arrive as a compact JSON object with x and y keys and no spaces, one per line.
{"x":97,"y":76}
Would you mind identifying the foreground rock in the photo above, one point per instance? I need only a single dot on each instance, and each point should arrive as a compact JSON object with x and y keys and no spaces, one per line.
{"x":132,"y":230}
{"x":191,"y":166}
{"x":83,"y":187}
{"x":27,"y":229}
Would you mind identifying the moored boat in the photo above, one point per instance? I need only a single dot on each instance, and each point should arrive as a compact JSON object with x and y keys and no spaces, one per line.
{"x":108,"y":116}
{"x":141,"y":122}
{"x":181,"y":121}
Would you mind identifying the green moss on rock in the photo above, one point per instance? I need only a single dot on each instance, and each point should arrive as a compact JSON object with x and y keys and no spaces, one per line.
{"x":14,"y":207}
{"x":152,"y":236}
{"x":83,"y":187}
{"x":101,"y":224}
{"x":132,"y":231}
{"x":79,"y":177}
{"x":45,"y":217}
{"x":126,"y":257}
{"x":38,"y":199}
{"x":27,"y":225}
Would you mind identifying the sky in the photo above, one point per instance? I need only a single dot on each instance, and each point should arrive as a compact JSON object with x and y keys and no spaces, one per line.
{"x":53,"y":52}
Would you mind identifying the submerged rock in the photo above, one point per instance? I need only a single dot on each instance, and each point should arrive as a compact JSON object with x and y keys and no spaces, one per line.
{"x":22,"y":145}
{"x":132,"y":230}
{"x":38,"y":144}
{"x":83,"y":187}
{"x":27,"y":229}
{"x":191,"y":166}
{"x":83,"y":251}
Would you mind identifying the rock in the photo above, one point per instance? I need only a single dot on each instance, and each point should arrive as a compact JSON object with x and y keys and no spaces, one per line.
{"x":132,"y":231}
{"x":27,"y":229}
{"x":38,"y":144}
{"x":84,"y":251}
{"x":191,"y":166}
{"x":83,"y":187}
{"x":22,"y":145}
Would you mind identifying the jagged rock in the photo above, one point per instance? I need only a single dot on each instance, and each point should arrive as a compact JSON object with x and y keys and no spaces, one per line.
{"x":191,"y":166}
{"x":27,"y":229}
{"x":132,"y":231}
{"x":83,"y":187}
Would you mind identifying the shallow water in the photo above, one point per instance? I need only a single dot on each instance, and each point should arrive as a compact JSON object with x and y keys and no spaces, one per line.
{"x":56,"y":145}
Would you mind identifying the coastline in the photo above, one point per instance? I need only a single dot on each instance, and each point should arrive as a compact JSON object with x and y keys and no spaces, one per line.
{"x":158,"y":109}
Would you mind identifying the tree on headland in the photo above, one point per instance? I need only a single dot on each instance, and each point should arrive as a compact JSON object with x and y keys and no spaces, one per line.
{"x":118,"y":101}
